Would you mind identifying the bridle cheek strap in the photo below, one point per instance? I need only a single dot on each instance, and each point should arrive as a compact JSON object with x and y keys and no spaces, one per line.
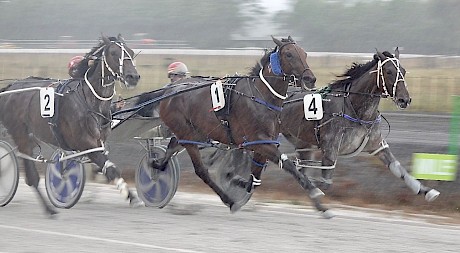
{"x":124,"y":56}
{"x":380,"y":76}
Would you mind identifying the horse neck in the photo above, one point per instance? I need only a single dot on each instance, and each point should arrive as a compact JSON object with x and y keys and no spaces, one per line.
{"x":277,"y":83}
{"x":100,"y":84}
{"x":365,"y":96}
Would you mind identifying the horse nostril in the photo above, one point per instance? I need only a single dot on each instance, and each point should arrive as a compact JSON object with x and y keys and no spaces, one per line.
{"x":134,"y":77}
{"x":309,"y":79}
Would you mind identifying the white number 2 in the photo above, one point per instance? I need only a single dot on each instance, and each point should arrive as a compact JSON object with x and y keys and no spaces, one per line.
{"x":47,"y":102}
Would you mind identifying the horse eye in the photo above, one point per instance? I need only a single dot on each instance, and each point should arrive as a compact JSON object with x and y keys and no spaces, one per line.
{"x":288,"y":54}
{"x":389,"y":72}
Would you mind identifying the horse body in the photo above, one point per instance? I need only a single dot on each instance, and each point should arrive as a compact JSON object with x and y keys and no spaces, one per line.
{"x":82,"y":117}
{"x":351,"y":122}
{"x":251,"y":121}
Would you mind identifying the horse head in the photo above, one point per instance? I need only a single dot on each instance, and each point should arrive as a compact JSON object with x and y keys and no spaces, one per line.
{"x":119,"y":60}
{"x":390,"y":78}
{"x":290,"y":60}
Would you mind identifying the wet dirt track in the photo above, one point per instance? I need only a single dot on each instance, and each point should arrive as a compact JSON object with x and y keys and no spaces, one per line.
{"x":193,"y":222}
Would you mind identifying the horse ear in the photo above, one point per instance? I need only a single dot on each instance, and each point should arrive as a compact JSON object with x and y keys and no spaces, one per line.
{"x":397,"y":53}
{"x":291,"y":39}
{"x":277,"y":41}
{"x":120,"y":38}
{"x":381,"y":56}
{"x":106,"y":40}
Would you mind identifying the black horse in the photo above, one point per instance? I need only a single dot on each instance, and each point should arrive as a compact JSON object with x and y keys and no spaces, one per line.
{"x":351,"y":121}
{"x":249,"y":120}
{"x":82,"y":110}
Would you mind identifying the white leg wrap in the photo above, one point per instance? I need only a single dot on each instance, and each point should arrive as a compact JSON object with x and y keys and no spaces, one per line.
{"x":395,"y":168}
{"x":315,"y":193}
{"x":255,"y":181}
{"x":412,"y":183}
{"x":107,"y":164}
{"x":284,"y":157}
{"x":122,"y":187}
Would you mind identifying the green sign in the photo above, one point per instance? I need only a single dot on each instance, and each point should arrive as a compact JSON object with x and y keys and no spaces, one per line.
{"x":434,"y":166}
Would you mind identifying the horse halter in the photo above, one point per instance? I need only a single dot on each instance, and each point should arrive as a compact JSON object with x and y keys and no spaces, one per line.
{"x":118,"y":76}
{"x":275,"y":67}
{"x":380,"y":76}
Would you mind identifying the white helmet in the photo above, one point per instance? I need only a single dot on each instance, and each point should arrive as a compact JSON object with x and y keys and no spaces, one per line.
{"x":177,"y":68}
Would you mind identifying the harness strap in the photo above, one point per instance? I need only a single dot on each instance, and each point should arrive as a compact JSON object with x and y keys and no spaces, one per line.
{"x":259,"y":142}
{"x":53,"y":121}
{"x":360,"y":121}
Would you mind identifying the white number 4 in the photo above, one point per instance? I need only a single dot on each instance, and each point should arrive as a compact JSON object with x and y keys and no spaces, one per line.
{"x":313,"y":106}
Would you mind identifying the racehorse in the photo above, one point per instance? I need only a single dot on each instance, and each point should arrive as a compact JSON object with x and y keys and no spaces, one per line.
{"x":351,"y":120}
{"x":248,"y":120}
{"x":82,"y":111}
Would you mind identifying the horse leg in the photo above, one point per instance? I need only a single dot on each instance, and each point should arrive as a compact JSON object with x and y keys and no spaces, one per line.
{"x":259,"y":163}
{"x":399,"y":171}
{"x":202,"y":172}
{"x":173,"y":147}
{"x":25,"y":146}
{"x":32,"y":179}
{"x":273,"y":154}
{"x":113,"y":174}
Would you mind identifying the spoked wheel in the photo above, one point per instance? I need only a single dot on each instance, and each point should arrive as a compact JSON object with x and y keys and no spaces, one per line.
{"x":234,"y":164}
{"x":9,"y":173}
{"x":64,"y":180}
{"x":156,"y":188}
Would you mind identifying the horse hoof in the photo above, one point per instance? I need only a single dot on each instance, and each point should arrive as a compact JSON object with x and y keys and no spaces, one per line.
{"x":235,"y":207}
{"x":328,"y":214}
{"x":136,"y":202}
{"x":316,"y":193}
{"x":432,"y":195}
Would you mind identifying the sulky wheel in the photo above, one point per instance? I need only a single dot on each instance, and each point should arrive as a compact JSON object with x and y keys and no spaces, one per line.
{"x":9,"y":173}
{"x":156,"y":188}
{"x":234,"y":164}
{"x":64,"y":180}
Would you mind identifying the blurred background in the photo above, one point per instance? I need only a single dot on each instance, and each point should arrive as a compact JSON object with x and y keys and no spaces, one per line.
{"x":224,"y":37}
{"x":217,"y":37}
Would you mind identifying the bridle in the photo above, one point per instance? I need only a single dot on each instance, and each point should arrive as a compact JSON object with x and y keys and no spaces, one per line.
{"x":118,"y":75}
{"x":380,"y":76}
{"x":275,"y":68}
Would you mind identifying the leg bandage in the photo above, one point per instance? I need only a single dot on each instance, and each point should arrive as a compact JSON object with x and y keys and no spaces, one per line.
{"x":122,"y":187}
{"x":284,"y":157}
{"x":107,"y":164}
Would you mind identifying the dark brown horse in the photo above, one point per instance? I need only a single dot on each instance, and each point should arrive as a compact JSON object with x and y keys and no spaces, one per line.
{"x":351,"y":121}
{"x":250,"y":118}
{"x":82,"y":110}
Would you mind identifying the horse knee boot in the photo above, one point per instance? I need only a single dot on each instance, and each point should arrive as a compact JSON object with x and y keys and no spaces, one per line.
{"x":110,"y":171}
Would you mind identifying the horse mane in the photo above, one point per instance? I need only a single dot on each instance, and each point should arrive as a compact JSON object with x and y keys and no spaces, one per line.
{"x":96,"y":51}
{"x":266,"y":58}
{"x":263,"y":61}
{"x":355,"y":71}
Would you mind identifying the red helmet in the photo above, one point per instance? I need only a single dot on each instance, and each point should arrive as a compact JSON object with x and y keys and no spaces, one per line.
{"x":74,"y":61}
{"x":177,"y":68}
{"x":72,"y":65}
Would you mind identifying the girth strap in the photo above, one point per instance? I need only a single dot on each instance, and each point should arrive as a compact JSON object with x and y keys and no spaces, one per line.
{"x":54,"y":121}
